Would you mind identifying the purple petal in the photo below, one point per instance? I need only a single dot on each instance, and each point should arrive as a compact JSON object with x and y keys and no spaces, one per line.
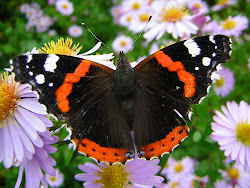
{"x":92,"y":185}
{"x":25,"y":140}
{"x":35,"y":122}
{"x":149,"y":181}
{"x":87,"y":177}
{"x":20,"y":176}
{"x":1,"y":145}
{"x":8,"y":147}
{"x":17,"y":143}
{"x":50,"y":149}
{"x":42,"y":153}
{"x":89,"y":167}
{"x":27,"y":94}
{"x":33,"y":105}
{"x":29,"y":130}
{"x":45,"y":120}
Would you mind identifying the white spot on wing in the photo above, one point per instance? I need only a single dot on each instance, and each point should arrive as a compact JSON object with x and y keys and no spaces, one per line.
{"x":50,"y":84}
{"x":30,"y":73}
{"x":40,"y":79}
{"x":214,"y":54}
{"x":197,"y":68}
{"x":206,"y":61}
{"x":29,"y":58}
{"x":211,"y":38}
{"x":190,"y":115}
{"x":176,"y":111}
{"x":50,"y":63}
{"x":11,"y":61}
{"x":193,"y":48}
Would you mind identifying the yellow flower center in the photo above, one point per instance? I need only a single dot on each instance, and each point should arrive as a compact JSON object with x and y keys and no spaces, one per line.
{"x":197,"y":5}
{"x":8,"y":97}
{"x":136,"y":6}
{"x":123,"y":43}
{"x":52,"y":178}
{"x":65,"y":6}
{"x":178,"y":168}
{"x":233,"y":173}
{"x":114,"y":176}
{"x":61,"y":47}
{"x":228,"y":24}
{"x":174,"y":184}
{"x":220,"y":82}
{"x":129,"y":18}
{"x":174,"y":14}
{"x":243,"y":132}
{"x":222,"y":2}
{"x":144,"y":17}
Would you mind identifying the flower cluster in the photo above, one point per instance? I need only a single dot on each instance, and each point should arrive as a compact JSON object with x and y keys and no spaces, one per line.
{"x":36,"y":18}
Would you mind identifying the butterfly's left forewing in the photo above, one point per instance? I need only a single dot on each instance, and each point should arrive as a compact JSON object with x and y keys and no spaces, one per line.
{"x":81,"y":92}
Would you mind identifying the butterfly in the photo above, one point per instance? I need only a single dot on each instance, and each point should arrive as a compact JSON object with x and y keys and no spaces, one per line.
{"x":102,"y":106}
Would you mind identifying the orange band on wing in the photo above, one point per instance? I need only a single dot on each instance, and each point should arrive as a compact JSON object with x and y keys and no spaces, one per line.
{"x":168,"y":144}
{"x":94,"y":150}
{"x":187,"y":78}
{"x":65,"y":89}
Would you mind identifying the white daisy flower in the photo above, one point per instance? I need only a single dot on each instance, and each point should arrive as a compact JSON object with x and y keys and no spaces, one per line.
{"x":172,"y":18}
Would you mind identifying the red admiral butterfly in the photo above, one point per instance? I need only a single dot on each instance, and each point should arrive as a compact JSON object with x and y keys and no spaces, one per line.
{"x":102,"y":106}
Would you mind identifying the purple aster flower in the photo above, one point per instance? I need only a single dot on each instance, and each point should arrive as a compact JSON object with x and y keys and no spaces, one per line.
{"x":198,"y":6}
{"x":21,"y":118}
{"x":177,"y":170}
{"x":236,"y":176}
{"x":225,"y":84}
{"x":24,"y":136}
{"x":231,"y":131}
{"x":55,"y":181}
{"x":221,"y":4}
{"x":136,"y":173}
{"x":75,"y":31}
{"x":24,"y":7}
{"x":233,"y":26}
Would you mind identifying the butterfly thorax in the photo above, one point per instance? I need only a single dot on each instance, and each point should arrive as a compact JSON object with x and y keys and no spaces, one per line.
{"x":124,"y":76}
{"x":125,"y":88}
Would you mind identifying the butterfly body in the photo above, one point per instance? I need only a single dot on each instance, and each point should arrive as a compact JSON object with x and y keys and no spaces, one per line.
{"x":102,"y":106}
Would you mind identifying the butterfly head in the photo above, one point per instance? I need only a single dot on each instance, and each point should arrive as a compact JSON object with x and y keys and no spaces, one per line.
{"x":123,"y":60}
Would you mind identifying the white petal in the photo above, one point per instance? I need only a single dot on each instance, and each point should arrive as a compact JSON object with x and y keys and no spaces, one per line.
{"x":96,"y":47}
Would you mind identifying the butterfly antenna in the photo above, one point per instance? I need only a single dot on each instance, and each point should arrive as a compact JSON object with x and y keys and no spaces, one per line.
{"x":140,"y":34}
{"x":98,"y":39}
